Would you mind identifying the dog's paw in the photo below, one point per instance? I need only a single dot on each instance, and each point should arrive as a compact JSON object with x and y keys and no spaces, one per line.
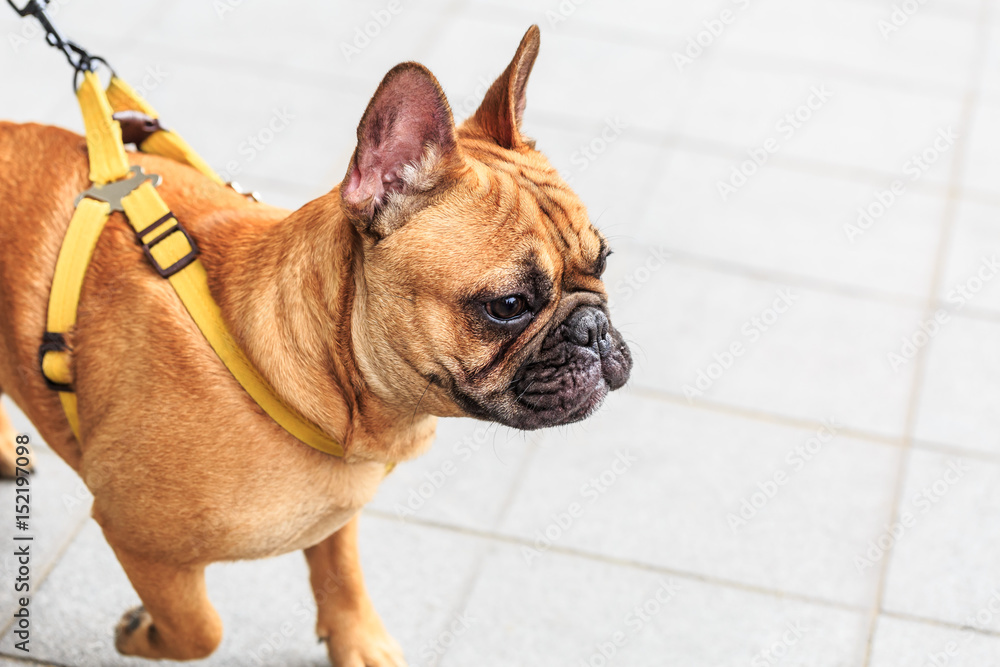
{"x":137,"y":634}
{"x":132,"y":632}
{"x":363,"y":643}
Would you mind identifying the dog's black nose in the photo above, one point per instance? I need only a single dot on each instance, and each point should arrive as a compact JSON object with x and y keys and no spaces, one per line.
{"x":589,"y":327}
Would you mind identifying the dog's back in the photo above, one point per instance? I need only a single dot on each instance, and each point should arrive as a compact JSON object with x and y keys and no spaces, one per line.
{"x":42,"y":170}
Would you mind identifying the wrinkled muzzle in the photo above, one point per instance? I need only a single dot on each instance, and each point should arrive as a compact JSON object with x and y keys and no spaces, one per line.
{"x":578,"y":363}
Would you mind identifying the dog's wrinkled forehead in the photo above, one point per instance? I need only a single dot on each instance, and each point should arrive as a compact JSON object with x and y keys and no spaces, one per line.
{"x":528,"y":201}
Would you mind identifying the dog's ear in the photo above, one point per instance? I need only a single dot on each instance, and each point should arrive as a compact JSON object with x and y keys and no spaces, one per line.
{"x":499,"y":116}
{"x":405,"y":140}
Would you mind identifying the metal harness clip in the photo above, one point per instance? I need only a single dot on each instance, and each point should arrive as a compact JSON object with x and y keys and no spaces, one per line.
{"x":113,"y":192}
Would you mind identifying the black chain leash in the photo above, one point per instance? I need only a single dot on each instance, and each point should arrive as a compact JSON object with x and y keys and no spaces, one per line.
{"x":78,"y":57}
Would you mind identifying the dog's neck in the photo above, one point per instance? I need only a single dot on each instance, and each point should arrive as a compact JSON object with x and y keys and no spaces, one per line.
{"x":289,"y":296}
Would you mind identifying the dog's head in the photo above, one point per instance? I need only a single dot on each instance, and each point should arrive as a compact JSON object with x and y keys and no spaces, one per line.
{"x":480,"y":288}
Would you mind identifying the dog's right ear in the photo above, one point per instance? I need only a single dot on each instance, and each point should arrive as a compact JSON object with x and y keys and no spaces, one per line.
{"x":406,"y":139}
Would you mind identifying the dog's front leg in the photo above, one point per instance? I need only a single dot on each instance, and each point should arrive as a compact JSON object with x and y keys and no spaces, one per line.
{"x":347,"y":622}
{"x":176,"y":621}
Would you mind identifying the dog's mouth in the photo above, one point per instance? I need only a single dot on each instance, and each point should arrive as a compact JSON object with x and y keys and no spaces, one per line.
{"x":556,"y":408}
{"x":580,"y":361}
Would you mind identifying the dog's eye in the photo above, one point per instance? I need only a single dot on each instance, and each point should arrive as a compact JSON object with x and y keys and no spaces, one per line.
{"x":602,"y":263}
{"x":507,"y":307}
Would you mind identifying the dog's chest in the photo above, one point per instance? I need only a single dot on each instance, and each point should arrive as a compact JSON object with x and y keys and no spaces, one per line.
{"x":312,"y":510}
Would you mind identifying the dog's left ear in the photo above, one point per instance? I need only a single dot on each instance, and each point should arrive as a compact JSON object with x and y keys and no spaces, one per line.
{"x":499,"y":116}
{"x":406,"y":141}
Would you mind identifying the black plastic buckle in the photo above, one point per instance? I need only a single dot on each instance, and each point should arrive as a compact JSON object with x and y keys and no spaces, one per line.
{"x":166,"y":272}
{"x":52,"y":342}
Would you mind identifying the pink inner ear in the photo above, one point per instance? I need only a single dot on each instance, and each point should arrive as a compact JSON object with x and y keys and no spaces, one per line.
{"x":407,"y":114}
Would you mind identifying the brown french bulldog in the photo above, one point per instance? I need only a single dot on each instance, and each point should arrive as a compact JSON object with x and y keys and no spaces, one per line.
{"x":452,"y":273}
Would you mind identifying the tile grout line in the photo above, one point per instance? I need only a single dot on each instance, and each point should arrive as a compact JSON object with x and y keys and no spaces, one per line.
{"x":792,"y":280}
{"x":666,"y":149}
{"x":47,"y":569}
{"x":757,"y":415}
{"x":655,"y":394}
{"x":514,"y":540}
{"x":484,"y":551}
{"x":947,"y":231}
{"x":933,"y":622}
{"x":724,"y":149}
{"x":947,"y":449}
{"x":595,"y":557}
{"x":21,"y":660}
{"x":772,"y":277}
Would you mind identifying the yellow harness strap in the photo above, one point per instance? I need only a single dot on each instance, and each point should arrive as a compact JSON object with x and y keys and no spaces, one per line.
{"x":168,"y":246}
{"x":164,"y":143}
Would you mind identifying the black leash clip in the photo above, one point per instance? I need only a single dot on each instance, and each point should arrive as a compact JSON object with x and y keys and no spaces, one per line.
{"x":78,"y":57}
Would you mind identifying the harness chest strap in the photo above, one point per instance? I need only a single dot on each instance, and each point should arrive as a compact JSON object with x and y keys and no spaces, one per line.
{"x":173,"y":254}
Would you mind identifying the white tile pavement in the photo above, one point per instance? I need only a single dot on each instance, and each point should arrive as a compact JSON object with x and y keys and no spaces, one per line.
{"x":944,"y":557}
{"x":821,"y":573}
{"x":983,"y":174}
{"x":759,"y":225}
{"x":972,"y":267}
{"x":900,"y":643}
{"x":764,"y":505}
{"x":931,"y":47}
{"x":571,"y":611}
{"x":957,"y":405}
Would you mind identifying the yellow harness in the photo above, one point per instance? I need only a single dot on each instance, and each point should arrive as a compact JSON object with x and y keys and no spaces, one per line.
{"x":166,"y":244}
